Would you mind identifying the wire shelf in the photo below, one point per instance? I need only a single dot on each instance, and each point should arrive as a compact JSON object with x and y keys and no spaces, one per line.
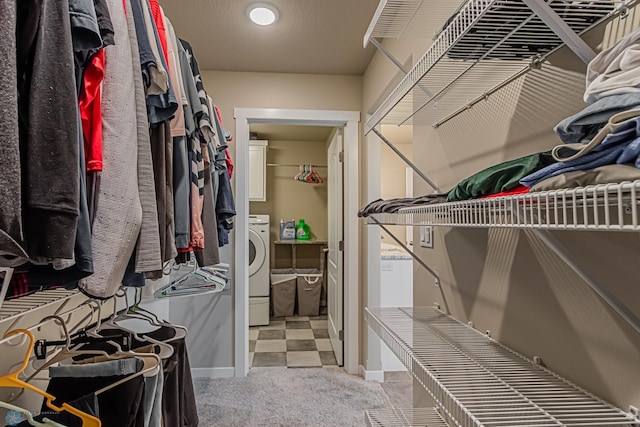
{"x":20,"y":306}
{"x":486,"y":45}
{"x":409,"y":18}
{"x":604,"y":207}
{"x":396,"y":417}
{"x":477,"y":381}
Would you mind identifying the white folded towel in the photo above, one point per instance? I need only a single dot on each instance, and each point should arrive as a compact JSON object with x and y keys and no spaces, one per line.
{"x":615,"y":70}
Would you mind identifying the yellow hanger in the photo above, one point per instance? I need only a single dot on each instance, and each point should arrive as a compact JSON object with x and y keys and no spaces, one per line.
{"x":11,"y":380}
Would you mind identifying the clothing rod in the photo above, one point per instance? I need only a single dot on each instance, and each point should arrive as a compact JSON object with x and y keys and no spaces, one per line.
{"x":296,"y":166}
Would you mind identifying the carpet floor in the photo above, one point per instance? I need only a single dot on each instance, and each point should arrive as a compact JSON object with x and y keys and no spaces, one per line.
{"x":303,"y":397}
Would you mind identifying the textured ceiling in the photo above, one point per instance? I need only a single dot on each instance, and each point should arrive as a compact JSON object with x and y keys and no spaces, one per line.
{"x":310,"y":37}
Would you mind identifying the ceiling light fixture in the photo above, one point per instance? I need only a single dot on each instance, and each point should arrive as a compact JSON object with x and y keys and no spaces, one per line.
{"x":262,"y":14}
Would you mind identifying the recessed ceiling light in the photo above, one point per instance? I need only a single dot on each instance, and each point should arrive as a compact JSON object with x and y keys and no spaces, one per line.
{"x":262,"y":14}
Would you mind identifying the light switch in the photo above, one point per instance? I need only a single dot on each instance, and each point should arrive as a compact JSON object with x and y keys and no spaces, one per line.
{"x":426,"y":236}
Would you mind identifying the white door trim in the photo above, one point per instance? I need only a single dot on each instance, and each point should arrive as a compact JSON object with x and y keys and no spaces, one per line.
{"x":373,"y":365}
{"x":350,"y":120}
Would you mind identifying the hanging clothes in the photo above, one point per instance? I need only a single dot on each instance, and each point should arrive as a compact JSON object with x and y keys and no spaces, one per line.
{"x":148,"y":257}
{"x":51,"y":181}
{"x":119,"y":214}
{"x":12,"y":251}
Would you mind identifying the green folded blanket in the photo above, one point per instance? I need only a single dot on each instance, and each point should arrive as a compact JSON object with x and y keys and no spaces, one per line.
{"x":504,"y":176}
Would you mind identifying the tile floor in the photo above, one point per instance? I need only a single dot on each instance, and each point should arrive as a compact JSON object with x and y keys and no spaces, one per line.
{"x":294,"y":342}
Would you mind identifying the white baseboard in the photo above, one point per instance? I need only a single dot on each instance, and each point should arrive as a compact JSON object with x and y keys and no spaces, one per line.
{"x":213,"y":372}
{"x":371,"y":375}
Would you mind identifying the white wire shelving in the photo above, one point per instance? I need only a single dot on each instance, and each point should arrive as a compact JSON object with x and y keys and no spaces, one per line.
{"x":477,"y":381}
{"x":605,"y":207}
{"x":398,"y":417}
{"x":14,"y":308}
{"x":484,"y":46}
{"x":395,"y":19}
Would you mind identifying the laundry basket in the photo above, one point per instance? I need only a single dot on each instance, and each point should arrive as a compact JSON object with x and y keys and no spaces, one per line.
{"x":309,"y":290}
{"x":283,"y":291}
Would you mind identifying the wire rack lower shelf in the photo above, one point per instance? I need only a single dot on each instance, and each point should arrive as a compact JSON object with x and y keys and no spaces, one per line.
{"x":397,"y":417}
{"x":477,"y":381}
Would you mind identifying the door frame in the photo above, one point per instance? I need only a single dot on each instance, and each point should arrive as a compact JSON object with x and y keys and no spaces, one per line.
{"x":334,"y":118}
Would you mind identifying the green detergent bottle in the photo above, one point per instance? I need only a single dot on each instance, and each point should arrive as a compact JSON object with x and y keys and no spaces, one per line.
{"x":303,"y":232}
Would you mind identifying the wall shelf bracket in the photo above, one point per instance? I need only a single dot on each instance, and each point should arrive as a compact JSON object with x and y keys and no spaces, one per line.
{"x":407,"y":161}
{"x":418,"y":260}
{"x":397,"y":63}
{"x":561,"y":29}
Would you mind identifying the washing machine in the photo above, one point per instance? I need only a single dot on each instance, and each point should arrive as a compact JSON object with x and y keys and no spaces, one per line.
{"x":258,"y":270}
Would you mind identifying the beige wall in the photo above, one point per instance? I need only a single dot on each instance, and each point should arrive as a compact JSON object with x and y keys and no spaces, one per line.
{"x":508,"y":281}
{"x":290,"y":199}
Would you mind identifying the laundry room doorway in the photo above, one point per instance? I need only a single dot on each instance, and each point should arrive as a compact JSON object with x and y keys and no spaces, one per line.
{"x":287,"y":182}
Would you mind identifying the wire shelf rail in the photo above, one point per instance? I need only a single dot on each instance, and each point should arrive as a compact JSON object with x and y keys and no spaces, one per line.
{"x":604,"y":207}
{"x":484,"y":46}
{"x":397,"y":417}
{"x":477,"y":381}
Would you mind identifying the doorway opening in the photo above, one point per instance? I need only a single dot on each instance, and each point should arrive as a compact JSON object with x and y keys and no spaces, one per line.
{"x":347,"y":334}
{"x":288,"y":299}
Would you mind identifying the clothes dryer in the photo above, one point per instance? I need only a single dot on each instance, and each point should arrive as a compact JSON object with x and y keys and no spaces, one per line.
{"x":259,"y":270}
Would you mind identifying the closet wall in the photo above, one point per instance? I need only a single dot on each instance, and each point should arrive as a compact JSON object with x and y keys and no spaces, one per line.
{"x":508,"y":281}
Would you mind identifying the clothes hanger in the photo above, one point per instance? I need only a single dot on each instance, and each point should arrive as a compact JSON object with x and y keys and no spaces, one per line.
{"x":313,"y":175}
{"x":166,"y":350}
{"x":46,"y":422}
{"x":198,"y":281}
{"x":11,"y":380}
{"x":300,"y":171}
{"x":318,"y":178}
{"x":181,"y":331}
{"x":66,"y":352}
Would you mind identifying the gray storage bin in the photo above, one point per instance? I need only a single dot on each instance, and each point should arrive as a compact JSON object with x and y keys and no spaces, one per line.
{"x":309,"y":290}
{"x":283,"y":291}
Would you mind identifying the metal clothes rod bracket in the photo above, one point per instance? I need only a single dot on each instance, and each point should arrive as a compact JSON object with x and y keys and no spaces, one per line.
{"x":407,"y":161}
{"x":565,"y":255}
{"x":562,"y":29}
{"x":418,"y":260}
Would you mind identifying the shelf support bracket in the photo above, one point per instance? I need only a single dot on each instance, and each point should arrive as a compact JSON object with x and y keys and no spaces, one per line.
{"x":565,"y":255}
{"x":417,"y":259}
{"x":562,"y":29}
{"x":407,"y":161}
{"x":398,"y":64}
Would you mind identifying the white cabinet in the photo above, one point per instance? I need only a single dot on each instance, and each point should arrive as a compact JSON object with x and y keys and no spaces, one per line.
{"x":257,"y":170}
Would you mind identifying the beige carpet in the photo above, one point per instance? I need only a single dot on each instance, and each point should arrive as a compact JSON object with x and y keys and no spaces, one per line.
{"x":286,"y":397}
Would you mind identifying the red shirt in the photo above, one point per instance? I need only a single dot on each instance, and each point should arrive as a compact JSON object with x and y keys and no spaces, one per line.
{"x":91,"y":112}
{"x":156,"y":11}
